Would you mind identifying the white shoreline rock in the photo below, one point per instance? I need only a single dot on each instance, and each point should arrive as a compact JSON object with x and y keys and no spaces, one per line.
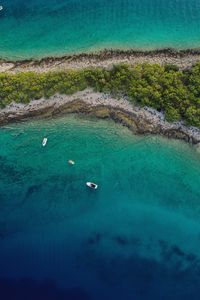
{"x":155,"y":120}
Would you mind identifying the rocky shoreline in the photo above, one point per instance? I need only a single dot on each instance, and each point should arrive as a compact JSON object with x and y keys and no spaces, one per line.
{"x":106,"y":58}
{"x":138,"y":120}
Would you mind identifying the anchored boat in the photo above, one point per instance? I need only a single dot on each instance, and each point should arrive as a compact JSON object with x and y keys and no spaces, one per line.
{"x":44,"y":142}
{"x":92,"y":185}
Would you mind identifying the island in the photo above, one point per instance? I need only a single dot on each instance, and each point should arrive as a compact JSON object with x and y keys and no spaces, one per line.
{"x":149,"y":92}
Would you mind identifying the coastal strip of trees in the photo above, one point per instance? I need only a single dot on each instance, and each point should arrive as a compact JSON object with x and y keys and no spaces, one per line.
{"x":165,"y":88}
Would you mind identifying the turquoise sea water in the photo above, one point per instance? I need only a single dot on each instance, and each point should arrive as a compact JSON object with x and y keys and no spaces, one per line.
{"x":38,"y":28}
{"x":137,"y":237}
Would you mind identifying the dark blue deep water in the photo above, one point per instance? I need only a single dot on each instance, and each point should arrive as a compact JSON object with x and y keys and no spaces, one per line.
{"x":135,"y":238}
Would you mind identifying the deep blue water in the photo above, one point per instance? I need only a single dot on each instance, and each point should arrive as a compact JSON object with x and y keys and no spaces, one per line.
{"x":137,"y":237}
{"x":38,"y":28}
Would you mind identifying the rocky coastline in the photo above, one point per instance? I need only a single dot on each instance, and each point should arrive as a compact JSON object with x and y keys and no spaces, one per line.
{"x":138,"y":120}
{"x":106,"y":58}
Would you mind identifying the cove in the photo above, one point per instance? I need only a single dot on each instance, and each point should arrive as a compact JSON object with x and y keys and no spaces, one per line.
{"x":136,"y":237}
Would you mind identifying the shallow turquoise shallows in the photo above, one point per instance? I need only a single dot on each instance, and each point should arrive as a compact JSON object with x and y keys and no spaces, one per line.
{"x":136,"y":237}
{"x":38,"y":28}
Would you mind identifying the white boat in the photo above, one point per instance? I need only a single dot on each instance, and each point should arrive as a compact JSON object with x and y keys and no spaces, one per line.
{"x":92,"y":185}
{"x":71,"y":162}
{"x":44,"y":142}
{"x":1,"y":7}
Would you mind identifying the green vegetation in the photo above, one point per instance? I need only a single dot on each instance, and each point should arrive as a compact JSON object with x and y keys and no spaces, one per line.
{"x":165,"y":88}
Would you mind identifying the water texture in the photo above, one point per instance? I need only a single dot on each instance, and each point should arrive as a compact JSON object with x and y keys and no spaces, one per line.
{"x":38,"y":28}
{"x":136,"y":238}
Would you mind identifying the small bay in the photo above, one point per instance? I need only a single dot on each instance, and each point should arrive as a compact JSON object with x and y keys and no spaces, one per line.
{"x":136,"y":237}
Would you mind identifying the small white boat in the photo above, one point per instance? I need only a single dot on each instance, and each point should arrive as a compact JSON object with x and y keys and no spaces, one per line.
{"x":71,"y":162}
{"x":44,"y":142}
{"x":1,"y":7}
{"x":92,"y":185}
